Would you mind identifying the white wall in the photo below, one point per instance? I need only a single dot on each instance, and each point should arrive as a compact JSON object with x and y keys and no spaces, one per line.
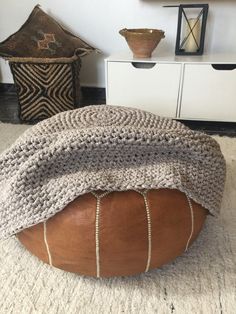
{"x":98,"y":21}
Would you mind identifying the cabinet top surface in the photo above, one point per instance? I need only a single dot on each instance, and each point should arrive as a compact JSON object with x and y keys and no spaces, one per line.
{"x":171,"y":58}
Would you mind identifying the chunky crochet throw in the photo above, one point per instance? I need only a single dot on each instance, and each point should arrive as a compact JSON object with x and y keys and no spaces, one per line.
{"x":104,"y":148}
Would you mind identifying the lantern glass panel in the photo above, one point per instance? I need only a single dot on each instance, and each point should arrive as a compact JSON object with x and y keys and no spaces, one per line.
{"x":191,"y":29}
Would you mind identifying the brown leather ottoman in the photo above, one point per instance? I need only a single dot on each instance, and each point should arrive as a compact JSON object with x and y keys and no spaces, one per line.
{"x":117,"y":233}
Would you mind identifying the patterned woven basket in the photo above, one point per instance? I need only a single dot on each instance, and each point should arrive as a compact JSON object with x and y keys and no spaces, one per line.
{"x":45,"y":87}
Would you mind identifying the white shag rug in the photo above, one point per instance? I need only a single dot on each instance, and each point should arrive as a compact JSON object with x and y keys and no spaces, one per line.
{"x":203,"y":280}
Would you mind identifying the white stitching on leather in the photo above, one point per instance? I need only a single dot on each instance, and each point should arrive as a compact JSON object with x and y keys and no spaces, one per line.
{"x":192,"y":222}
{"x":98,"y":197}
{"x":46,"y":242}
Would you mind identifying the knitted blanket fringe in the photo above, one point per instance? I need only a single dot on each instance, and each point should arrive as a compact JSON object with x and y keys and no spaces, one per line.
{"x":104,"y":148}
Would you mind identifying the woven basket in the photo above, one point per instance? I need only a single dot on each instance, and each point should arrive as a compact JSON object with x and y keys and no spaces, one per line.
{"x":45,"y":87}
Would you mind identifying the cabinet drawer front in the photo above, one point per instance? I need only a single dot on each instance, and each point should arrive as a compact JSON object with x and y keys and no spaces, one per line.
{"x":209,"y":92}
{"x":149,"y":86}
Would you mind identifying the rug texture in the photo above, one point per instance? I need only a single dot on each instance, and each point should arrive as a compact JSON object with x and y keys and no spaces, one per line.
{"x":203,"y":280}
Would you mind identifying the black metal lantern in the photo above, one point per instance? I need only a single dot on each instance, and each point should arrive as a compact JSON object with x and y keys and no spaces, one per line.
{"x":191,"y":29}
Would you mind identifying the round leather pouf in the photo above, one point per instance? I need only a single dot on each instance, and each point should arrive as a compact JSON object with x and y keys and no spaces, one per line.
{"x":106,"y":234}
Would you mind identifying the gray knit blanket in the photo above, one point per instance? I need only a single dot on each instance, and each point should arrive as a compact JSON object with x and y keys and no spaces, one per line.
{"x":104,"y":148}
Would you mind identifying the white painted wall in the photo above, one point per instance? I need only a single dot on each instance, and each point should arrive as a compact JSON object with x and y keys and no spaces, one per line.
{"x":98,"y":21}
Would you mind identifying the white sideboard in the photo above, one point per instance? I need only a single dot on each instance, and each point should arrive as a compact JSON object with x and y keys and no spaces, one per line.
{"x":188,"y":87}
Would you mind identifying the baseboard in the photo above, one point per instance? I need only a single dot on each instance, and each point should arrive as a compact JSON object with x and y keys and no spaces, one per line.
{"x":7,"y":88}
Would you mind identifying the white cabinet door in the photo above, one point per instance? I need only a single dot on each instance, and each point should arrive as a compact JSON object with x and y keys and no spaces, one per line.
{"x":149,"y":86}
{"x":209,"y":92}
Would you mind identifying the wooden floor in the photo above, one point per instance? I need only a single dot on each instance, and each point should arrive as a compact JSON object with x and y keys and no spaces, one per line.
{"x":91,"y":96}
